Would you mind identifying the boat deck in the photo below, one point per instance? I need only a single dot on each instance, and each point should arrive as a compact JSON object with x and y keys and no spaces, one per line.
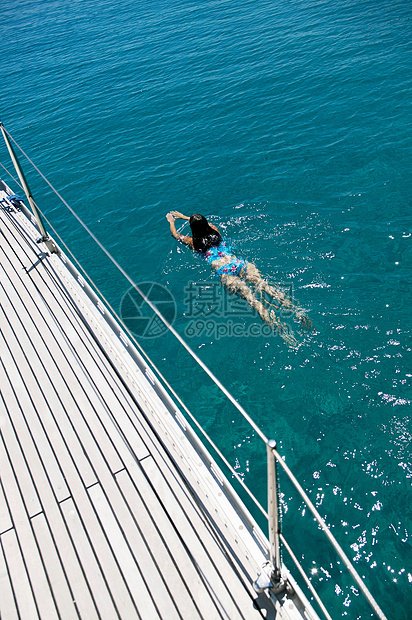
{"x":96,"y":518}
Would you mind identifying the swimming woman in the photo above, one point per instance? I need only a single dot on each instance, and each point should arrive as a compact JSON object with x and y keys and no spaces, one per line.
{"x":235,"y":273}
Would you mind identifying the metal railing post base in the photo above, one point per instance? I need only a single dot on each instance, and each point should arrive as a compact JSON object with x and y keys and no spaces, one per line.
{"x":269,"y":579}
{"x":50,"y":245}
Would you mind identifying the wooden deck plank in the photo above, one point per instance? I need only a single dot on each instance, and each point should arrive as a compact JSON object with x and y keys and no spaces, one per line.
{"x":10,"y":450}
{"x":5,"y":518}
{"x":96,"y":558}
{"x":19,"y":413}
{"x":125,"y":530}
{"x":90,"y":542}
{"x":63,"y":596}
{"x":209,"y":490}
{"x":27,"y":543}
{"x":8,"y":607}
{"x":16,"y":570}
{"x":154,"y":531}
{"x":66,"y":553}
{"x":121,"y":551}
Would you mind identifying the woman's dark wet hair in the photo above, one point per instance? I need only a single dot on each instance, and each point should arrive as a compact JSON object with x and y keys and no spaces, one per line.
{"x":204,"y":236}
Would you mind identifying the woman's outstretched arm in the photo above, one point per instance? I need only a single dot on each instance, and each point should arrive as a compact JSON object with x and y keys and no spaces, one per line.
{"x":171,"y":217}
{"x":179,"y":216}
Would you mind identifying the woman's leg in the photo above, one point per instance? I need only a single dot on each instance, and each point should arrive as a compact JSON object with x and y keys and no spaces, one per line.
{"x":238,"y":286}
{"x":253,"y":275}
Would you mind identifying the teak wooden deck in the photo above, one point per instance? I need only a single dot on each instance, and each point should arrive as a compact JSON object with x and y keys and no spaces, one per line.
{"x":96,"y":518}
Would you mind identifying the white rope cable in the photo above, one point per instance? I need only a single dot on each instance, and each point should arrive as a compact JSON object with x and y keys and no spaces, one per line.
{"x":10,"y":175}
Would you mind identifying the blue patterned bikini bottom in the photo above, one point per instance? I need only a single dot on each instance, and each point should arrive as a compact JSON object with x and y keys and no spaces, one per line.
{"x":231,"y":267}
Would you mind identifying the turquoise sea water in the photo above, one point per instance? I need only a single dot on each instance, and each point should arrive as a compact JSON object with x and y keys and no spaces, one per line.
{"x":288,"y":124}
